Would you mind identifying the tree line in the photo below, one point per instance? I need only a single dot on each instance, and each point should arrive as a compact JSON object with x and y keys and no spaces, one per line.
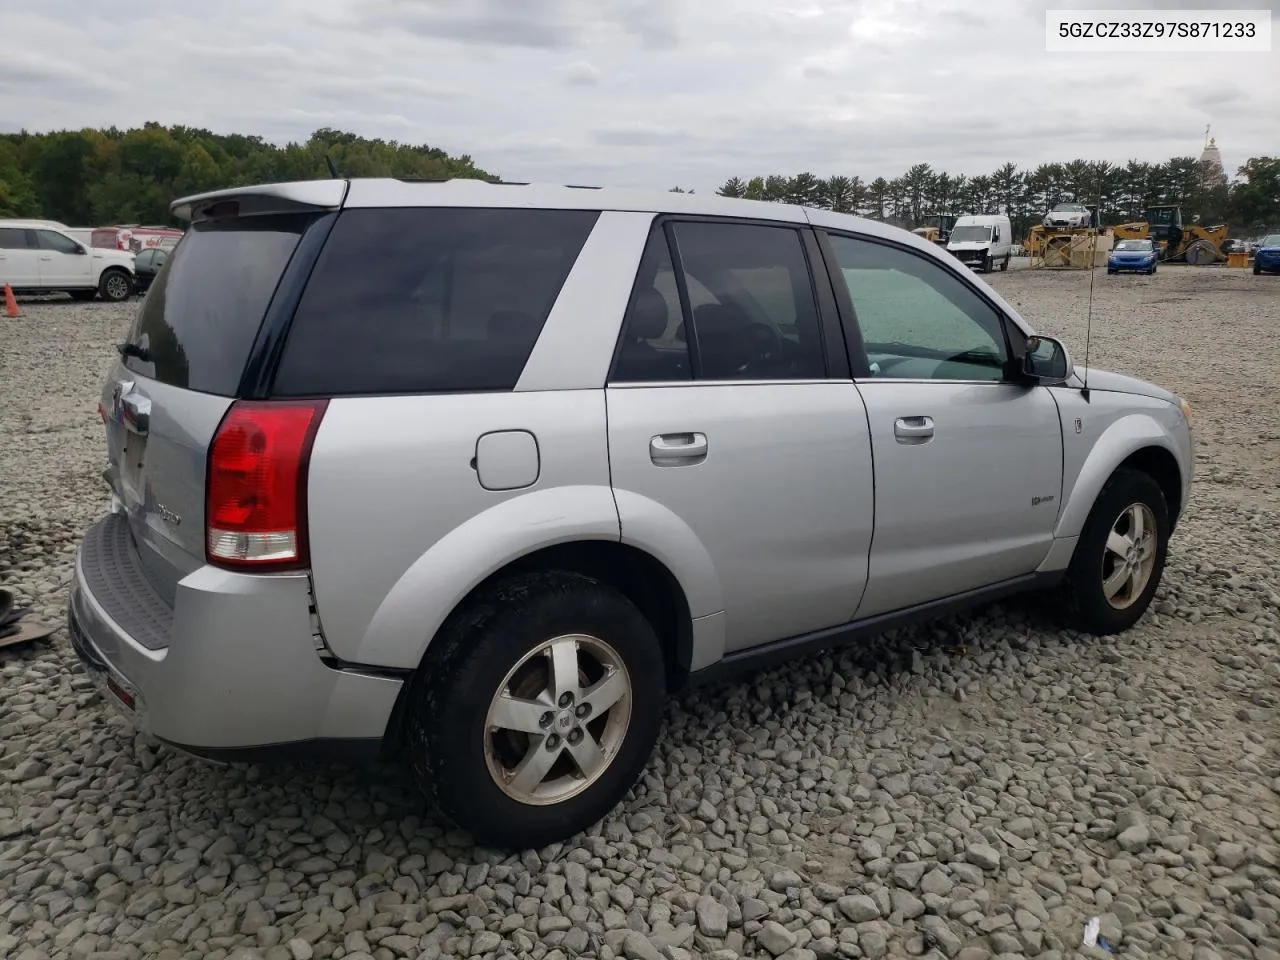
{"x":101,"y":176}
{"x":93,"y":177}
{"x":1250,"y":202}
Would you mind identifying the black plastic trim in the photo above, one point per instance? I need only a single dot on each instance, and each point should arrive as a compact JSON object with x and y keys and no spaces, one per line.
{"x":770,"y":654}
{"x":833,"y":345}
{"x":326,"y":750}
{"x":268,"y":345}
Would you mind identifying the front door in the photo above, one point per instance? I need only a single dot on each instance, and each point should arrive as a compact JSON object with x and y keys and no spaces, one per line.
{"x":727,"y":436}
{"x":64,"y":264}
{"x":968,"y":464}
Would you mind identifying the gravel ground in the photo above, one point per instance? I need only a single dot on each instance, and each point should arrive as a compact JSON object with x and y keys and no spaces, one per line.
{"x":906,"y":798}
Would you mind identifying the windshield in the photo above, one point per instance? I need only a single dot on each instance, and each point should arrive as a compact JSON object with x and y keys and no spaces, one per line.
{"x":1144,"y":245}
{"x":1270,"y":240}
{"x":1069,"y":208}
{"x":970,"y":233}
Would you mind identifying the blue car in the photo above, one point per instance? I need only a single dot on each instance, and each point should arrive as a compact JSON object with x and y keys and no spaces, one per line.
{"x":1137,"y":255}
{"x":1267,"y":259}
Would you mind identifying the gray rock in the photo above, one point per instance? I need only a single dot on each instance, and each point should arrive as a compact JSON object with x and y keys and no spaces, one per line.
{"x":939,"y":933}
{"x":857,"y":908}
{"x":983,"y":856}
{"x":713,"y":917}
{"x":775,"y":938}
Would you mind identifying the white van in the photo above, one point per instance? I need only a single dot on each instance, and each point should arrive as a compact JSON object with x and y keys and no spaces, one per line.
{"x":982,"y":241}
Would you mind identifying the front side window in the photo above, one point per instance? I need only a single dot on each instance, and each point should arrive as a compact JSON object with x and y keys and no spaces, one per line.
{"x":918,"y":320}
{"x":754,"y":315}
{"x":56,"y":242}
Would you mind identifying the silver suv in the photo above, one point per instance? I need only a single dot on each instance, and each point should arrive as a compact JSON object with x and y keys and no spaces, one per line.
{"x":479,"y":473}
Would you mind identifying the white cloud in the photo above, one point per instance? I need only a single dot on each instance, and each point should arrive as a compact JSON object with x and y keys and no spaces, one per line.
{"x":640,"y":92}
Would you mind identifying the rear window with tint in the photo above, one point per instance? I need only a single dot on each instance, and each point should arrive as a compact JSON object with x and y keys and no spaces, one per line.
{"x":201,"y":317}
{"x":429,"y":300}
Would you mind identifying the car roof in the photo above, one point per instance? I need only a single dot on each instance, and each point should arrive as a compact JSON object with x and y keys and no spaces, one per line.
{"x":384,"y":192}
{"x":391,"y":192}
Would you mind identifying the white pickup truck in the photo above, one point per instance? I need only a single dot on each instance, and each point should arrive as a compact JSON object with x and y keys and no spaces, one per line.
{"x":38,"y":258}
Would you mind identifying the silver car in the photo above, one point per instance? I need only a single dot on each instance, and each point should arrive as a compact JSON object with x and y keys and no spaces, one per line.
{"x":479,"y":473}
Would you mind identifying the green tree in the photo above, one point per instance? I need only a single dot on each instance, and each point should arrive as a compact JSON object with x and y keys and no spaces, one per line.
{"x":1256,"y":200}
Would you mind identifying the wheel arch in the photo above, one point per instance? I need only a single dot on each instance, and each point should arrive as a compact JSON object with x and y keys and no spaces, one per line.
{"x":640,"y":576}
{"x":1137,"y":442}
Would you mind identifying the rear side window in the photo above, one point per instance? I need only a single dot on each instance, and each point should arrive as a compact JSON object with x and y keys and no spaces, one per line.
{"x":201,"y":317}
{"x":754,"y":312}
{"x":12,"y":238}
{"x":429,"y":300}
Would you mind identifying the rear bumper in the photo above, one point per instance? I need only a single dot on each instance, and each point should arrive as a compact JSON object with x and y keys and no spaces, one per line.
{"x":236,"y":673}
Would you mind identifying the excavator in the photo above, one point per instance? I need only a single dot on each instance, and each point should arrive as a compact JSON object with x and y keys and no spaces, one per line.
{"x":937,"y":227}
{"x":1174,"y":239}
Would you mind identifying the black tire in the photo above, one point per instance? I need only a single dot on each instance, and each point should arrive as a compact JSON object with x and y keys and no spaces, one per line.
{"x":1005,"y":265}
{"x":82,"y":295}
{"x":1257,"y":270}
{"x":115,"y":285}
{"x":448,"y":736}
{"x":1085,"y":604}
{"x":986,"y":264}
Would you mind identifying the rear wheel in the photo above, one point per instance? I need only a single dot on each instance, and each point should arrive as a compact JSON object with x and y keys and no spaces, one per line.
{"x":115,"y":285}
{"x":541,"y":710}
{"x":1119,"y":558}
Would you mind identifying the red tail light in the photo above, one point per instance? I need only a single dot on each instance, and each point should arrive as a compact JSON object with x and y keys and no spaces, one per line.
{"x":256,"y":515}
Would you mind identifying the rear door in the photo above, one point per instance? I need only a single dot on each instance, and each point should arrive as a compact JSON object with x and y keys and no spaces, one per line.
{"x":64,"y":264}
{"x":732,"y":412}
{"x":19,"y":260}
{"x":182,"y":366}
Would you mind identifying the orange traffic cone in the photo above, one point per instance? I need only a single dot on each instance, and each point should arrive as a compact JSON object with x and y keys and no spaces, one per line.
{"x":10,"y":303}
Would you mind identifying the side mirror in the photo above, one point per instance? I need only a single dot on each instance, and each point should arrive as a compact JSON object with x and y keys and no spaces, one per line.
{"x":1046,"y":361}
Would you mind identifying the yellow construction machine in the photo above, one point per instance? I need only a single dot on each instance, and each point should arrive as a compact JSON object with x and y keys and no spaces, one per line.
{"x":936,"y":228}
{"x":1175,"y":239}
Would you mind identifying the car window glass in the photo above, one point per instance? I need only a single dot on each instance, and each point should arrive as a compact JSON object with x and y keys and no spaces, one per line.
{"x":12,"y":238}
{"x":429,"y":300}
{"x":56,"y":242}
{"x":653,"y":343}
{"x":918,"y":320}
{"x":754,"y":315}
{"x":144,"y":258}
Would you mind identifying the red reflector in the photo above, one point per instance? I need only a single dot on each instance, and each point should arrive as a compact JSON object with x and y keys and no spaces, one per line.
{"x":257,"y":484}
{"x":121,"y":694}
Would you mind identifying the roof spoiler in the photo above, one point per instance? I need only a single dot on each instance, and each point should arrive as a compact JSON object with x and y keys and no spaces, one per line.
{"x":296,"y":197}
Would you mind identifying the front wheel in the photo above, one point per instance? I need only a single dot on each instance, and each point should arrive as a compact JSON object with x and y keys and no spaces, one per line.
{"x":115,"y":286}
{"x":540,"y":711}
{"x":1120,"y":555}
{"x":1257,"y":270}
{"x":1005,"y":265}
{"x":986,"y":264}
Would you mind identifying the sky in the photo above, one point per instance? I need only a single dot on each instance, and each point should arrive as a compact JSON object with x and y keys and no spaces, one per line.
{"x":643,"y":93}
